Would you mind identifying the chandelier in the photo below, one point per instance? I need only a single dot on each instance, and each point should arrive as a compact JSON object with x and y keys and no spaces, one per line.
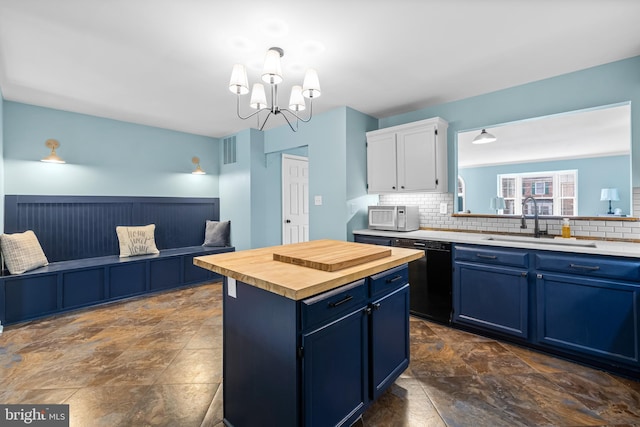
{"x":272,"y":75}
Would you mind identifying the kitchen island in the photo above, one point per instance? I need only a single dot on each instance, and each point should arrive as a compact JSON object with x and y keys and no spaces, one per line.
{"x":313,"y":339}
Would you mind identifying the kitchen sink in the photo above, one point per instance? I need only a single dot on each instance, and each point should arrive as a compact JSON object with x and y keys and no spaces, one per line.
{"x":544,"y":241}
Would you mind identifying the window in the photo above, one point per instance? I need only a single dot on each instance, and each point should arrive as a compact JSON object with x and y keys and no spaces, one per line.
{"x":555,"y":192}
{"x":461,"y":194}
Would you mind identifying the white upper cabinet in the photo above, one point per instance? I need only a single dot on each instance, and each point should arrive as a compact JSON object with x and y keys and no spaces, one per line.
{"x":408,"y":158}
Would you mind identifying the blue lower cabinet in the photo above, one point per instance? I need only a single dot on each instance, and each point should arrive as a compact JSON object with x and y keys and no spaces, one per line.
{"x":127,"y":279}
{"x":166,"y":273}
{"x":492,"y":297}
{"x":83,"y":287}
{"x":335,"y":371}
{"x":389,"y":336}
{"x":589,"y":316}
{"x":28,"y":297}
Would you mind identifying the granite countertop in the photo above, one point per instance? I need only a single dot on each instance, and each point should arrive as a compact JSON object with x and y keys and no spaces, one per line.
{"x":594,"y":247}
{"x":257,"y":267}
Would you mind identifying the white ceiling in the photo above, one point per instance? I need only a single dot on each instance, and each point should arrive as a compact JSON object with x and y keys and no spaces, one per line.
{"x":167,"y":63}
{"x":588,"y":133}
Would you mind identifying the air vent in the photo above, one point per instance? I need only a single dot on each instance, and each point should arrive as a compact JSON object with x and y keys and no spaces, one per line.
{"x":229,"y":146}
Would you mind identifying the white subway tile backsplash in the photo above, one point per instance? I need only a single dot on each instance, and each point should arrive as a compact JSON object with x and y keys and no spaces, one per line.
{"x":430,"y":217}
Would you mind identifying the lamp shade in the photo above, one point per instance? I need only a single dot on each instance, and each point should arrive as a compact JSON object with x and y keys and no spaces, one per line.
{"x":496,"y":203}
{"x":258,"y":97}
{"x":272,"y":71}
{"x":239,"y":84}
{"x":53,"y":156}
{"x":296,"y":101}
{"x":609,"y":194}
{"x":483,"y":138}
{"x":311,"y":84}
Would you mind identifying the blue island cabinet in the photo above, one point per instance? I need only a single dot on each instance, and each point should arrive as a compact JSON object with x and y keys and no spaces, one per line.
{"x":320,"y":361}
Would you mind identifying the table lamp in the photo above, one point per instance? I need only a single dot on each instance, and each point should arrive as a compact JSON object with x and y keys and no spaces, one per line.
{"x":496,"y":203}
{"x":609,"y":194}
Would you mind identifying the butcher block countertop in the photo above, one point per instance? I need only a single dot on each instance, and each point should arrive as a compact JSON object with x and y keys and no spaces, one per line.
{"x":299,"y":270}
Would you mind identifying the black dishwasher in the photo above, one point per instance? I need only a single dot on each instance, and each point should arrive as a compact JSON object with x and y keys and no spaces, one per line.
{"x":430,"y":280}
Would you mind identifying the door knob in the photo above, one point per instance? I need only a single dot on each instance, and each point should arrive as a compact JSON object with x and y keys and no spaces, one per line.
{"x":288,"y":221}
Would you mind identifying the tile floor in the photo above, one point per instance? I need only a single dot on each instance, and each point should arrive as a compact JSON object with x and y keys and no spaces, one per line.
{"x":157,"y":361}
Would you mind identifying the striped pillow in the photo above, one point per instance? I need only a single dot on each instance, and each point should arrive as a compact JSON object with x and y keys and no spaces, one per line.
{"x":22,"y":252}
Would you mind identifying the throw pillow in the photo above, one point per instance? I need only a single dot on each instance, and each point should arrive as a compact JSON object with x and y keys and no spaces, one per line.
{"x":22,"y":252}
{"x":217,"y":233}
{"x":137,"y":240}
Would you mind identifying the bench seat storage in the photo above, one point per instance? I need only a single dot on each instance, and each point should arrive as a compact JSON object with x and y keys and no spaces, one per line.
{"x":67,"y":284}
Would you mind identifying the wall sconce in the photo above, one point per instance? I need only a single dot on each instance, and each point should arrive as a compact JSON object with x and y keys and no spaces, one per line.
{"x":496,"y":203}
{"x":52,"y":157}
{"x":609,"y":194}
{"x":198,"y":170}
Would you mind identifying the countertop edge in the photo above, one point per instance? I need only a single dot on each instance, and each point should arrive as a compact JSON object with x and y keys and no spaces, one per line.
{"x":331,"y":280}
{"x":603,"y":247}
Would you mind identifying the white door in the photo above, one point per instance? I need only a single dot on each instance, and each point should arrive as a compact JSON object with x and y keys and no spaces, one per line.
{"x":295,"y":199}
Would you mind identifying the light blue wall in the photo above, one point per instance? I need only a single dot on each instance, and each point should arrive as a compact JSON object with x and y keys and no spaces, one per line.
{"x":273,"y":213}
{"x":357,"y":198}
{"x":325,"y":137}
{"x":337,"y":170}
{"x":104,"y":157}
{"x":593,"y":174}
{"x":235,"y":191}
{"x":606,"y":84}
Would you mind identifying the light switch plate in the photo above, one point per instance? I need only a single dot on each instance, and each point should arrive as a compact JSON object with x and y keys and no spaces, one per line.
{"x":317,"y":200}
{"x":443,"y":208}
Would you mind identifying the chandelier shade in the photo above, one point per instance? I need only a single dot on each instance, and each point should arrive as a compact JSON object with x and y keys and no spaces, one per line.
{"x":258,"y":97}
{"x":272,"y":75}
{"x":311,"y":84}
{"x":239,"y":84}
{"x":296,"y":100}
{"x":272,"y":70}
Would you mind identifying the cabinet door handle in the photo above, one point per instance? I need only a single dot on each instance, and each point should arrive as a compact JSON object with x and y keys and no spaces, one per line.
{"x":375,"y":306}
{"x":486,"y":256}
{"x":342,"y":301}
{"x":394,"y":279}
{"x":585,"y":267}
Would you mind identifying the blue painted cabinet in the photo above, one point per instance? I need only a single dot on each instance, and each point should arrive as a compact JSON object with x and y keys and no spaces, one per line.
{"x":589,"y":305}
{"x":491,"y":289}
{"x":320,"y":361}
{"x":389,"y":339}
{"x":581,"y":306}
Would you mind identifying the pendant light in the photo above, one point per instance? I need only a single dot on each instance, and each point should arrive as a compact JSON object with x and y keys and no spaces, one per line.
{"x":483,"y":138}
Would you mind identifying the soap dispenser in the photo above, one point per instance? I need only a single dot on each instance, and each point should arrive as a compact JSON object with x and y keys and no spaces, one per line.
{"x":566,"y":228}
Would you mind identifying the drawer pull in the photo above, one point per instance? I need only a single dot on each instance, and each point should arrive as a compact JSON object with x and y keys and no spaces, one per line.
{"x":585,"y":267}
{"x":486,"y":256}
{"x":394,"y":279}
{"x":342,"y":301}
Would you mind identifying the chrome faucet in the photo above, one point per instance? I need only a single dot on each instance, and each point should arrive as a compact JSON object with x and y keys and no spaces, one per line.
{"x":523,"y":220}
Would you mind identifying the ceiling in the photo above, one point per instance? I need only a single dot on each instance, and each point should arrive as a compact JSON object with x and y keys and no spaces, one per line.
{"x":167,"y":63}
{"x":588,"y":133}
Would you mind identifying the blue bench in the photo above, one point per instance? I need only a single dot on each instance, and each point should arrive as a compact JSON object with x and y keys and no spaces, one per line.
{"x":78,"y":236}
{"x":67,"y":285}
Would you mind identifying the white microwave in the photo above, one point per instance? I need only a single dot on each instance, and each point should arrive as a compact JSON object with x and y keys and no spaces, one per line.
{"x":394,"y":218}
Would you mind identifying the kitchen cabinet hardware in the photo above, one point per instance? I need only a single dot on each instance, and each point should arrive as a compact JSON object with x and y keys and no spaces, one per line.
{"x":340,"y":302}
{"x":486,"y":256}
{"x":394,"y":279}
{"x":585,"y":267}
